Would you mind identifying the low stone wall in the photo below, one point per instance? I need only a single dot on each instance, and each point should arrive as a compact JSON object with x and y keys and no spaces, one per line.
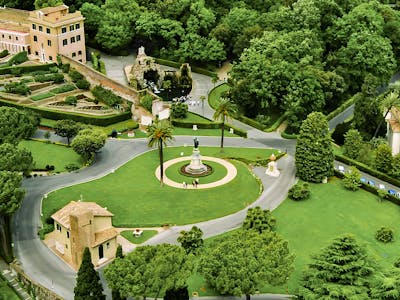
{"x":99,"y":78}
{"x":34,"y":288}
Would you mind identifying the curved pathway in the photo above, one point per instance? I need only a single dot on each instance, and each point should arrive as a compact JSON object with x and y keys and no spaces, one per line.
{"x":231,"y":174}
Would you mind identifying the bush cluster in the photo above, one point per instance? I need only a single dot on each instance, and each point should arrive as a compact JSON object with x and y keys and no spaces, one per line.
{"x":55,"y":77}
{"x":62,"y":89}
{"x":75,"y":75}
{"x":71,"y":167}
{"x":17,"y":88}
{"x":83,"y":84}
{"x":106,"y":96}
{"x":384,"y":235}
{"x":18,"y":58}
{"x":300,"y":191}
{"x":179,"y":110}
{"x":49,"y":167}
{"x":65,"y":68}
{"x":71,"y":100}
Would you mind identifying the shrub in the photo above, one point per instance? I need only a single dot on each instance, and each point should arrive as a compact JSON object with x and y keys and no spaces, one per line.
{"x":147,"y":102}
{"x":16,"y":72}
{"x":83,"y":84}
{"x":300,"y":191}
{"x":47,"y":228}
{"x":106,"y":96}
{"x":58,"y":78}
{"x":17,"y":88}
{"x":71,"y":167}
{"x":75,"y":75}
{"x":384,"y":235}
{"x":18,"y":58}
{"x":62,"y":89}
{"x":65,"y":68}
{"x":352,"y":179}
{"x":179,"y":110}
{"x":4,"y":53}
{"x":396,"y":264}
{"x":71,"y":100}
{"x":49,"y":167}
{"x":264,"y":120}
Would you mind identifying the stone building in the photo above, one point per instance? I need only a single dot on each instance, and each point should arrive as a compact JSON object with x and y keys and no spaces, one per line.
{"x":393,"y":129}
{"x":79,"y":225}
{"x":43,"y":33}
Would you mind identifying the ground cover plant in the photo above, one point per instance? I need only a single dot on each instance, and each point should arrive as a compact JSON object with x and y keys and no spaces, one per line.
{"x":147,"y":234}
{"x":134,"y":194}
{"x":7,"y":292}
{"x":50,"y":154}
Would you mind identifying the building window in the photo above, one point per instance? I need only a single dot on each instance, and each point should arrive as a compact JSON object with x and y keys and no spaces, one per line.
{"x":51,"y":58}
{"x":78,"y":38}
{"x":2,"y":36}
{"x":48,"y":43}
{"x":16,"y":38}
{"x":108,"y":245}
{"x":66,"y":246}
{"x":79,"y":52}
{"x":77,"y":26}
{"x":58,"y":227}
{"x":36,"y":53}
{"x":67,"y":231}
{"x":64,"y":30}
{"x":40,"y":28}
{"x":72,"y":39}
{"x":9,"y":37}
{"x":73,"y":54}
{"x":34,"y":26}
{"x":71,"y":28}
{"x":35,"y":38}
{"x":65,"y":42}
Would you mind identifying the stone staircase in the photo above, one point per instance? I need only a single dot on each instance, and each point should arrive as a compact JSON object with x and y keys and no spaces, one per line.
{"x":11,"y":278}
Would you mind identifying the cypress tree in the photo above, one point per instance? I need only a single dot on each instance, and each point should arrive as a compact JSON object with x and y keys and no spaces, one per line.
{"x":88,"y":285}
{"x":116,"y":295}
{"x":314,"y":154}
{"x":341,"y":271}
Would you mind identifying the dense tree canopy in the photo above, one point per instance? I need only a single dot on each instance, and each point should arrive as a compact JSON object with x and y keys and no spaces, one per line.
{"x":15,"y":159}
{"x":88,"y":141}
{"x":16,"y":125}
{"x":149,"y":270}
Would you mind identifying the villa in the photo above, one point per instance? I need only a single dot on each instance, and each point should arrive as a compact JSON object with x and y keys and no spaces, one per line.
{"x":43,"y":33}
{"x":393,"y":129}
{"x":79,"y":225}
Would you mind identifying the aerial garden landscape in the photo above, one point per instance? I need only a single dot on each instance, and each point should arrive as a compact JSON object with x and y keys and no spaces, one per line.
{"x":248,"y":148}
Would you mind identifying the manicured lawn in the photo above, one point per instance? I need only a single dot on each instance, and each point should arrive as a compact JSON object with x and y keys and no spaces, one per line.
{"x":147,"y":234}
{"x":7,"y":292}
{"x":218,"y":173}
{"x":190,"y":117}
{"x":313,"y":224}
{"x":215,"y":95}
{"x":51,"y":154}
{"x":134,"y":194}
{"x":42,"y":96}
{"x":63,"y":89}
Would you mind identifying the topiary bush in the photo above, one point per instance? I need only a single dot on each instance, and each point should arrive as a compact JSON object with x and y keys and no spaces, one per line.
{"x":18,"y":58}
{"x":83,"y":84}
{"x":179,"y":110}
{"x":65,"y":68}
{"x":71,"y":100}
{"x":4,"y":53}
{"x":75,"y":75}
{"x":17,"y":88}
{"x":385,"y":235}
{"x":300,"y":191}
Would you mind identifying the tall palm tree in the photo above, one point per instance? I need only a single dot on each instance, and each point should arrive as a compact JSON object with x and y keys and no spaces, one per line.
{"x":225,"y":110}
{"x":391,"y":100}
{"x":159,"y":133}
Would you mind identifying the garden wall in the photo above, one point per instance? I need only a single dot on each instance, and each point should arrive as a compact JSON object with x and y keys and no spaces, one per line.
{"x":120,"y":89}
{"x":34,"y":288}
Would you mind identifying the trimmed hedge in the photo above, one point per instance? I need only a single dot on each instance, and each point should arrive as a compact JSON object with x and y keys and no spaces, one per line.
{"x":251,"y":122}
{"x":4,"y":53}
{"x":177,"y":65}
{"x":59,"y":115}
{"x":341,"y":108}
{"x":26,"y":69}
{"x":18,"y":58}
{"x":367,"y":169}
{"x":276,"y":124}
{"x":106,"y":96}
{"x":371,"y":189}
{"x":288,"y":135}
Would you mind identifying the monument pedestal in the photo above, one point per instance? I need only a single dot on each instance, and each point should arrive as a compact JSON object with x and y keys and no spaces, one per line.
{"x":272,"y":168}
{"x":196,"y":166}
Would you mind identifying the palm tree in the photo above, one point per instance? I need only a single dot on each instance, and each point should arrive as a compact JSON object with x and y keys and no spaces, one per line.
{"x":159,"y":133}
{"x":391,"y":100}
{"x":225,"y":110}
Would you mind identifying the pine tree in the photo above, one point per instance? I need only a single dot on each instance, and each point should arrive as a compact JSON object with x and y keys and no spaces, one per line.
{"x":115,"y":294}
{"x":259,"y":220}
{"x":387,"y":287}
{"x":314,"y":155}
{"x":88,"y":285}
{"x":352,"y":179}
{"x":352,"y":143}
{"x":341,"y":271}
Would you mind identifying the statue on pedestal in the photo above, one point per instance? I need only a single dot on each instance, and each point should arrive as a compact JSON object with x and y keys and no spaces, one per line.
{"x":196,"y":166}
{"x":272,"y":168}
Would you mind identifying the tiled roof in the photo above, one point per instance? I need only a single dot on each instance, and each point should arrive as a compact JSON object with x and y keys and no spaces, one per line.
{"x":47,"y":10}
{"x":103,"y":236}
{"x":77,"y":208}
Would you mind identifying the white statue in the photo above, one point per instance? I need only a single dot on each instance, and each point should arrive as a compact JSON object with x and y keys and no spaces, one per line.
{"x":272,"y":167}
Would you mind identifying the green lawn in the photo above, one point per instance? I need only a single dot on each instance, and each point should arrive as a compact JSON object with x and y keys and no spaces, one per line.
{"x":215,"y":95}
{"x":42,"y":96}
{"x":7,"y":292}
{"x":218,"y":173}
{"x":147,"y":234}
{"x":134,"y":194}
{"x":50,"y":154}
{"x":184,"y":131}
{"x":331,"y":211}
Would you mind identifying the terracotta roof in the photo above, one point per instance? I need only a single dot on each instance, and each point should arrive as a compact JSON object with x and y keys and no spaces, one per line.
{"x":78,"y":208}
{"x":103,"y":236}
{"x":47,"y":10}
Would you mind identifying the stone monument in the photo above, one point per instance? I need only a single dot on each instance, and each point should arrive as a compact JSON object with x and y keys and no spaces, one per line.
{"x":196,"y":167}
{"x":272,"y":168}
